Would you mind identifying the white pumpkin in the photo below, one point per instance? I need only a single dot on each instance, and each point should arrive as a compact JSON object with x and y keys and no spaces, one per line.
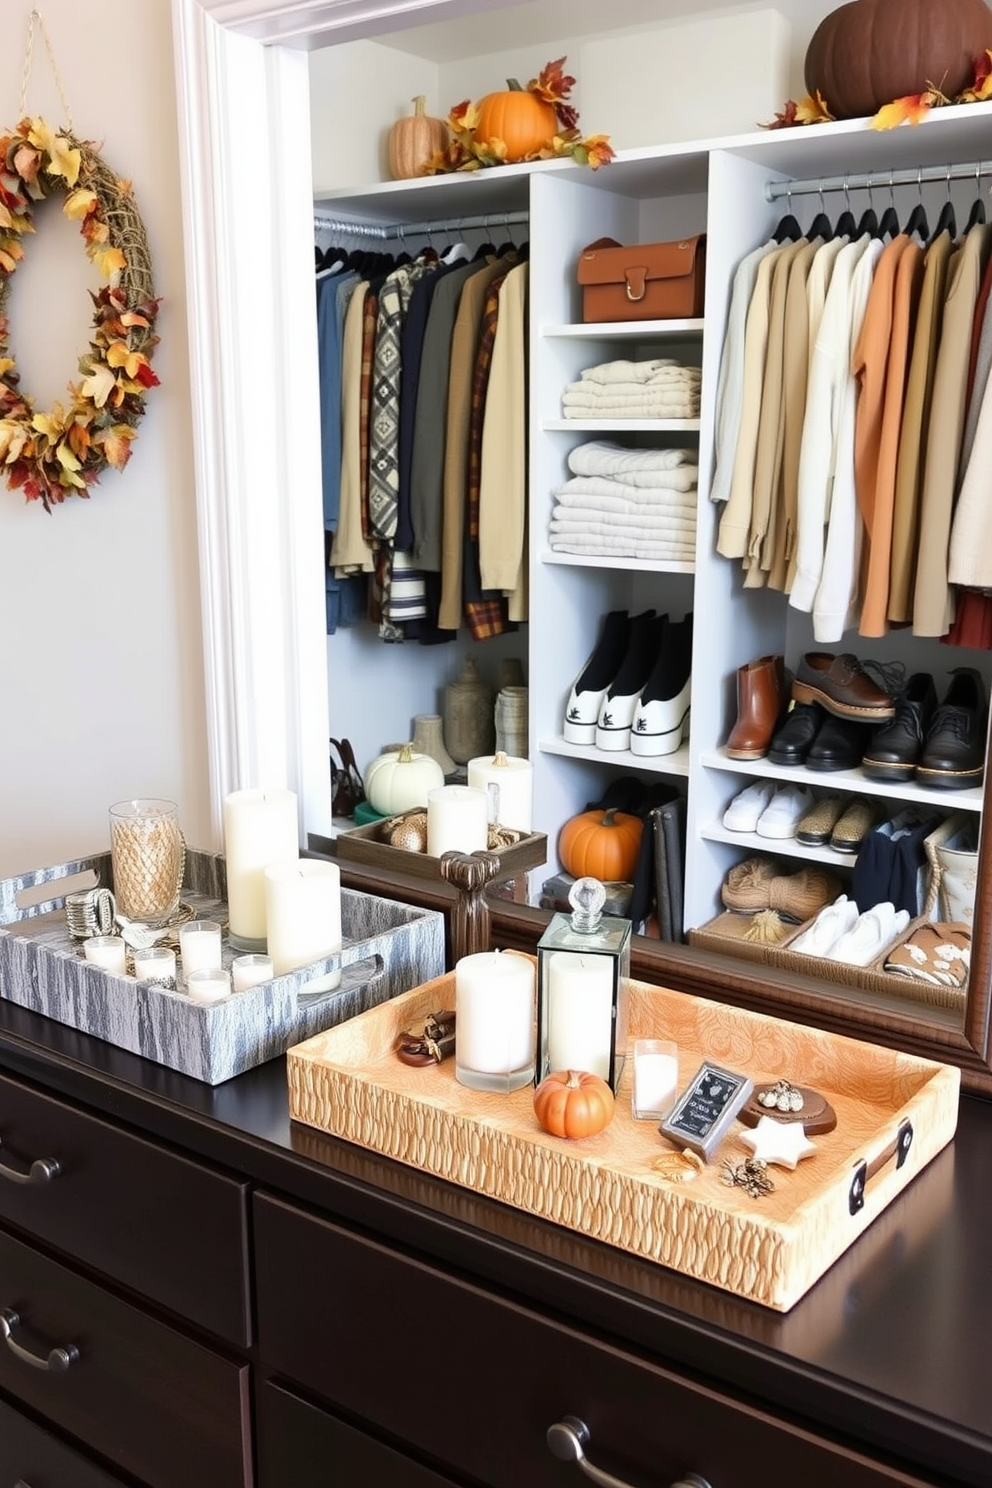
{"x":400,"y":779}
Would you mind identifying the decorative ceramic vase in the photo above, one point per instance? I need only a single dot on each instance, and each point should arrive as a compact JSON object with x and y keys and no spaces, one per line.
{"x":468,"y":714}
{"x":428,"y":739}
{"x":511,"y":721}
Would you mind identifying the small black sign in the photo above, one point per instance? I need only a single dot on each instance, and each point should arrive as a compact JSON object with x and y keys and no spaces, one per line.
{"x":705,"y":1110}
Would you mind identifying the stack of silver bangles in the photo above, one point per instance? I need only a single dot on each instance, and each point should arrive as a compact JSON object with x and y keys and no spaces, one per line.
{"x":91,"y":912}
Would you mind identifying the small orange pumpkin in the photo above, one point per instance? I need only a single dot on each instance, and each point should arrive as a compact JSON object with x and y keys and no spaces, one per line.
{"x":601,"y":844}
{"x":573,"y":1104}
{"x":413,"y":140}
{"x":524,"y":122}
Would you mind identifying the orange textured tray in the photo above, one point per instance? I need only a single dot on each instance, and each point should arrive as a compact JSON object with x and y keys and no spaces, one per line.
{"x":348,"y":1082}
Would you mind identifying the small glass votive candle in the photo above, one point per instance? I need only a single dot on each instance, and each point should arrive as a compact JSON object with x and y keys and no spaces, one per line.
{"x":248,"y":971}
{"x":156,"y":966}
{"x":108,"y":952}
{"x":208,"y":984}
{"x":656,"y":1078}
{"x":199,"y":945}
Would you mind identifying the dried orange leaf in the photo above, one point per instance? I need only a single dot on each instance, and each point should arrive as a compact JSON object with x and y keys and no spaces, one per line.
{"x":912,"y":109}
{"x":813,"y":110}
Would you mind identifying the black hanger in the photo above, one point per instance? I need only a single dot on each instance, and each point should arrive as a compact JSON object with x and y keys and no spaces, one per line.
{"x":976,"y":216}
{"x":788,"y":229}
{"x":869,"y":217}
{"x":947,"y":221}
{"x":917,"y":223}
{"x":889,"y":225}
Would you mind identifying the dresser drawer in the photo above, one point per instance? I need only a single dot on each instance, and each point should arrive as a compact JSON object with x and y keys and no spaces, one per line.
{"x":33,"y":1458}
{"x":305,"y":1447}
{"x":475,"y":1381}
{"x":169,"y":1411}
{"x":127,"y":1207}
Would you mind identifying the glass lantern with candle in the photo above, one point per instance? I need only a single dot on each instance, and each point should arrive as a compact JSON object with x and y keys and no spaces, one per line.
{"x":583,"y":973}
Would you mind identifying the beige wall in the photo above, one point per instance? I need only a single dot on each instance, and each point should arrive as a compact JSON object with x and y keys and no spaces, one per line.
{"x":101,"y":681}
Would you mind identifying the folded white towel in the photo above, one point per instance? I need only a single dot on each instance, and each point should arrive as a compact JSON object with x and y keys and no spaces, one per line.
{"x":681,"y":482}
{"x":622,"y":392}
{"x":658,"y":368}
{"x":577,"y":504}
{"x":582,"y":489}
{"x":638,"y":467}
{"x":648,"y":528}
{"x":596,"y":547}
{"x":657,"y":411}
{"x":655,"y":521}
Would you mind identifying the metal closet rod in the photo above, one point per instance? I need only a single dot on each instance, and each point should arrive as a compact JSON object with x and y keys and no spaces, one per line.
{"x":402,"y":230}
{"x":869,"y":180}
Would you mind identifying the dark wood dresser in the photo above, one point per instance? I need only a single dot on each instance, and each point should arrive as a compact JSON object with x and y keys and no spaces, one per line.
{"x":196,"y":1294}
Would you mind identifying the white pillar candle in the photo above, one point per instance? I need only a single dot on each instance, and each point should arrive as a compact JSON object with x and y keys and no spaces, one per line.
{"x":157,"y":964}
{"x":457,"y":820}
{"x":209,"y":984}
{"x":513,"y":779}
{"x":108,"y":952}
{"x":249,"y":971}
{"x":656,"y":1077}
{"x":580,"y":1012}
{"x":200,"y":946}
{"x":303,"y":915}
{"x":260,"y":827}
{"x":494,"y":1020}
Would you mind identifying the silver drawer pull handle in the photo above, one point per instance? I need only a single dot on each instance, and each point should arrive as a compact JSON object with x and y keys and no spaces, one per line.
{"x":568,"y":1439}
{"x":42,"y":1170}
{"x":57,"y":1360}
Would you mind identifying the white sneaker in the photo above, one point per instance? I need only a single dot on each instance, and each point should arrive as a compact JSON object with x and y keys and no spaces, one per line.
{"x":744,"y":810}
{"x":833,"y":921}
{"x":870,"y":935}
{"x":784,"y":812}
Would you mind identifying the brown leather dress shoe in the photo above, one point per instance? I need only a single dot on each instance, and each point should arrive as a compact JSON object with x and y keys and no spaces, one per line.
{"x":760,"y":699}
{"x":842,"y":686}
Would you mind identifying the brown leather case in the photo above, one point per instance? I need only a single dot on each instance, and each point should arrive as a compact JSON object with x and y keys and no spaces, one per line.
{"x":648,"y":281}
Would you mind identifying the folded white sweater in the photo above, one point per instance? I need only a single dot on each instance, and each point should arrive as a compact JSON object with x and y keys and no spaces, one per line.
{"x":659,"y":369}
{"x":585,"y":489}
{"x":635,"y":524}
{"x":621,"y":394}
{"x":593,"y":546}
{"x":632,"y":410}
{"x":638,"y":467}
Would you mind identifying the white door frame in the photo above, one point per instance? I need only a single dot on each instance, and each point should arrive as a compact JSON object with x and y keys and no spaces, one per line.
{"x":244,"y":143}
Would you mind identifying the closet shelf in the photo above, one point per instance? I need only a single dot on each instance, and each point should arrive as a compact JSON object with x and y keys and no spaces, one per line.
{"x":622,"y":329}
{"x":623,"y":426}
{"x":626,"y":565}
{"x":827,"y":782}
{"x":663,"y":764}
{"x":787,"y":847}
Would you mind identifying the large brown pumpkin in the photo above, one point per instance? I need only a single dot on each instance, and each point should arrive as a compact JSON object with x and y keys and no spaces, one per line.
{"x":870,"y":52}
{"x":524,"y":122}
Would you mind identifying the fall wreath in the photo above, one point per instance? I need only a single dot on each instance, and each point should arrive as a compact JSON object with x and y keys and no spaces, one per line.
{"x":65,"y":451}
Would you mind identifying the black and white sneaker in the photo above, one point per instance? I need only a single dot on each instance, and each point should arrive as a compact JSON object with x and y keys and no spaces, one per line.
{"x":661,"y":717}
{"x":592,"y":684}
{"x":616,"y":713}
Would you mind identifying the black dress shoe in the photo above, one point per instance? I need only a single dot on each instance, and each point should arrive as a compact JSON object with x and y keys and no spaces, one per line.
{"x":893,"y":751}
{"x":953,"y":755}
{"x":791,"y":741}
{"x":839,"y":744}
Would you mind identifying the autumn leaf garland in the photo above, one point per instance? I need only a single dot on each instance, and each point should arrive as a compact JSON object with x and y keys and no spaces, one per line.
{"x":63,"y":452}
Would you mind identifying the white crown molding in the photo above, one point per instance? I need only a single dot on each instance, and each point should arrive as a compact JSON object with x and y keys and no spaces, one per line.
{"x":315,"y":23}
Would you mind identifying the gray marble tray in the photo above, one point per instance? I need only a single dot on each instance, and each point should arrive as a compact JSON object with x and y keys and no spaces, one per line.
{"x":388,"y":948}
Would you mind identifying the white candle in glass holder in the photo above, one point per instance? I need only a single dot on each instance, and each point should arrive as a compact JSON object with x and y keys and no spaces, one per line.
{"x":156,"y":964}
{"x":513,"y":779}
{"x":457,"y":820}
{"x":108,"y":952}
{"x":303,"y":915}
{"x":209,"y":984}
{"x":199,"y":945}
{"x":580,"y":1012}
{"x":249,"y":971}
{"x":260,"y":827}
{"x":656,"y":1077}
{"x":494,"y":1022}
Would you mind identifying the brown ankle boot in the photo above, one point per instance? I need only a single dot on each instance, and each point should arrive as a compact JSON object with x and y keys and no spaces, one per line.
{"x":760,"y":699}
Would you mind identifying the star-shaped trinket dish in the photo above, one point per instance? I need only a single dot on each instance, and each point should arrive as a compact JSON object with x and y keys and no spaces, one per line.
{"x":780,"y":1142}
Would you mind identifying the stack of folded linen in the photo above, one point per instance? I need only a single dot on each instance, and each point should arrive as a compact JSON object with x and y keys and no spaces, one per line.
{"x":627,"y":503}
{"x":658,"y":389}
